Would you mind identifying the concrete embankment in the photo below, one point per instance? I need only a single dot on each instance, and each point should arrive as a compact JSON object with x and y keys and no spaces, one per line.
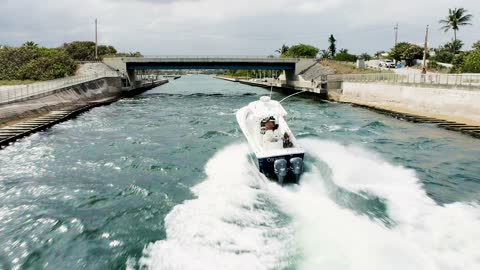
{"x":310,"y":92}
{"x":447,"y":103}
{"x":39,"y":112}
{"x":76,"y":95}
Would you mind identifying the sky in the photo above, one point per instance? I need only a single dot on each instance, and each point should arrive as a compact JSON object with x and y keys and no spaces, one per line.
{"x":231,"y":27}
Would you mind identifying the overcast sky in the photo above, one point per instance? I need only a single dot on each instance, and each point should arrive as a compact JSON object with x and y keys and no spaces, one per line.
{"x":230,"y":27}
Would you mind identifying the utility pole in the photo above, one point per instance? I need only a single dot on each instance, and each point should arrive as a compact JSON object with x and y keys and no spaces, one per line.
{"x":396,"y":33}
{"x":96,"y":40}
{"x":425,"y":49}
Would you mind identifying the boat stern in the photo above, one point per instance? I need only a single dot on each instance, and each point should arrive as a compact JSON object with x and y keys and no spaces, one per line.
{"x":285,"y":168}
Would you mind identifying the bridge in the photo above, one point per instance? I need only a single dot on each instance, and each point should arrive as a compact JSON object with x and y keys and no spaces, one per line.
{"x":128,"y":65}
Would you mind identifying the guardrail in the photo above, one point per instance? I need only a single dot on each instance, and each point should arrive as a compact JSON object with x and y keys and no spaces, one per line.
{"x":466,"y":80}
{"x":218,"y":57}
{"x":15,"y":93}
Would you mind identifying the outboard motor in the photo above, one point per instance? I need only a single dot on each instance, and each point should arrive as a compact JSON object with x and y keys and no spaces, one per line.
{"x":280,"y":168}
{"x":296,"y":165}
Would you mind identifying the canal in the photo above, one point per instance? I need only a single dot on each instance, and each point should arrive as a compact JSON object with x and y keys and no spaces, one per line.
{"x":164,"y":181}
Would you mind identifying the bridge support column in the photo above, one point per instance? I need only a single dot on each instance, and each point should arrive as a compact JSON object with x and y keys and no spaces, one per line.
{"x":290,"y":76}
{"x":132,"y":78}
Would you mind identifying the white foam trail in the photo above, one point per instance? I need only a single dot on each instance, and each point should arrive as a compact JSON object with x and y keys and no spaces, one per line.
{"x":223,"y":228}
{"x":426,"y":236}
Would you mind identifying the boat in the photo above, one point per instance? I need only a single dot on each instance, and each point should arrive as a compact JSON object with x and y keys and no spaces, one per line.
{"x":281,"y":160}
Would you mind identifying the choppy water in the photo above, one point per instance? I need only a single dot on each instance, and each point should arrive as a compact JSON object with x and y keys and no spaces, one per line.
{"x":163,"y":181}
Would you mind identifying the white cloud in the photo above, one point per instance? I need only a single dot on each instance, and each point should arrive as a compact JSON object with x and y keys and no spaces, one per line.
{"x":229,"y":27}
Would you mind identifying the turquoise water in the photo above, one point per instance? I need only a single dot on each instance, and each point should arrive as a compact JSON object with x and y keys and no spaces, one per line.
{"x":164,"y":181}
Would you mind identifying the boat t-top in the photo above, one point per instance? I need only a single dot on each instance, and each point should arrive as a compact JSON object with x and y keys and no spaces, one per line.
{"x":278,"y":154}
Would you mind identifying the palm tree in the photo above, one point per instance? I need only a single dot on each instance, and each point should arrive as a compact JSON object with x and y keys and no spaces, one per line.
{"x":30,"y":44}
{"x":282,"y":49}
{"x":325,"y":54}
{"x":456,"y":17}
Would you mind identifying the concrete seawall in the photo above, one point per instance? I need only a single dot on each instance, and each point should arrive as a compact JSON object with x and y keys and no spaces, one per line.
{"x":442,"y":103}
{"x":314,"y":93}
{"x":61,"y":98}
{"x":70,"y":97}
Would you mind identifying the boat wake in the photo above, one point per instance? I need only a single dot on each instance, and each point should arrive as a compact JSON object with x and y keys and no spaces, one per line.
{"x":352,"y":210}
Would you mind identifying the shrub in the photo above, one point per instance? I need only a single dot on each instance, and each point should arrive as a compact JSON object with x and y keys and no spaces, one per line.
{"x":476,"y":46}
{"x":80,"y":50}
{"x":301,"y":50}
{"x":457,"y":62}
{"x":406,"y":51}
{"x":33,"y":63}
{"x":365,"y":56}
{"x":471,"y":62}
{"x":85,"y":50}
{"x":12,"y":60}
{"x":52,"y":64}
{"x":443,"y":56}
{"x":345,"y":57}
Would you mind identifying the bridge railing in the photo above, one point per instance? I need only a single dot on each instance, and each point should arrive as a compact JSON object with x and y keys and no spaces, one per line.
{"x":464,"y":80}
{"x":13,"y":93}
{"x":213,"y":57}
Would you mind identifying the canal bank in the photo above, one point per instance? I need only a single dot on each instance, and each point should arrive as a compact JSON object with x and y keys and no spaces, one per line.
{"x":308,"y":92}
{"x":19,"y":118}
{"x":450,"y":107}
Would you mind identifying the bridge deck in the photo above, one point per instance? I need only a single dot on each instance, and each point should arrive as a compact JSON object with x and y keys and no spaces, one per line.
{"x":141,"y":63}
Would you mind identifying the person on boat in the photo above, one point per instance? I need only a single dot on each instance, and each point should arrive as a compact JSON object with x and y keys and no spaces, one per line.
{"x":286,"y":141}
{"x":272,"y":134}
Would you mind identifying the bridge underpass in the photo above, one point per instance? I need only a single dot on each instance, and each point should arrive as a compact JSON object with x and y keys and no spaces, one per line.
{"x":128,"y":65}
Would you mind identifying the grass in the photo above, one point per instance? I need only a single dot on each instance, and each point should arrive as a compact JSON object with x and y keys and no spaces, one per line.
{"x":349,"y":68}
{"x":15,"y":82}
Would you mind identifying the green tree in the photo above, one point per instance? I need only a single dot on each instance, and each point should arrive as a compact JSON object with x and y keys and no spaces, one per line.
{"x":332,"y":47}
{"x":398,"y":51}
{"x":31,"y":62}
{"x":30,"y":44}
{"x":406,"y":51}
{"x":454,"y":47}
{"x":412,"y":53}
{"x":104,"y":50}
{"x":458,"y":61}
{"x":13,"y":59}
{"x":443,"y":55}
{"x":365,"y":56}
{"x":456,"y":17}
{"x":52,"y":64}
{"x":301,"y":50}
{"x":345,"y":56}
{"x":476,"y":46}
{"x":85,"y":50}
{"x":282,"y":50}
{"x":471,"y":62}
{"x":80,"y":50}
